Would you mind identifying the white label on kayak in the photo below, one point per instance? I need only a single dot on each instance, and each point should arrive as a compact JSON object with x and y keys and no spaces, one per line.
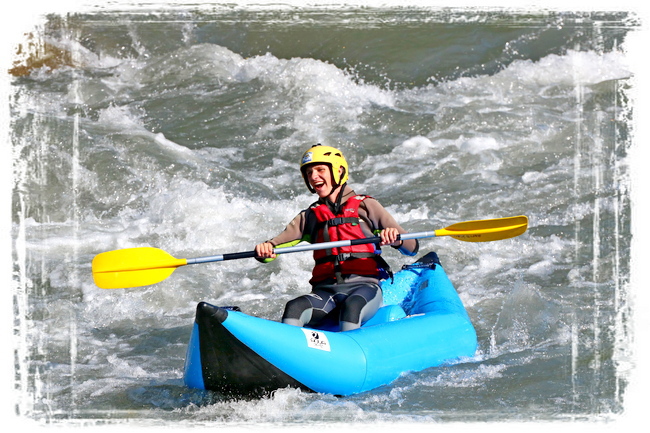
{"x":316,"y":340}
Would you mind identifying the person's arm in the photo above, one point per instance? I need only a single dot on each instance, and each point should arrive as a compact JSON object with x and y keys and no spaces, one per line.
{"x":291,"y":235}
{"x":389,"y":228}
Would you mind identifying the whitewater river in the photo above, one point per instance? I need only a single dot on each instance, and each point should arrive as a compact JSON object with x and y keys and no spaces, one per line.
{"x":183,"y":128}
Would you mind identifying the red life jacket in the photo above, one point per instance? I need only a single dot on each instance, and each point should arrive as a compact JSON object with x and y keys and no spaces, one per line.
{"x":355,"y":259}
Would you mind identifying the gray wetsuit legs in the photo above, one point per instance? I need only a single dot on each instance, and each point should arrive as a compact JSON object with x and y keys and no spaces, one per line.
{"x":358,"y":302}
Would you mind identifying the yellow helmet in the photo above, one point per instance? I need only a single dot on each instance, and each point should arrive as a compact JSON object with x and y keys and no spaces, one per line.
{"x":331,"y":156}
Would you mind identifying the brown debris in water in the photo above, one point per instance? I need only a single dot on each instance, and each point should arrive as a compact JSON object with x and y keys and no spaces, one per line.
{"x":36,"y":54}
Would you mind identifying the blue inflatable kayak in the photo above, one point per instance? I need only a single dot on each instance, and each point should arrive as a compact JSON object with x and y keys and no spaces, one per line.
{"x":422,"y":324}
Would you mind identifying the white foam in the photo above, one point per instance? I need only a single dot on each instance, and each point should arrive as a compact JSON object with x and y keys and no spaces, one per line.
{"x":573,"y":68}
{"x":523,"y":80}
{"x":414,"y":147}
{"x":478,"y":145}
{"x":125,"y":120}
{"x":542,"y":268}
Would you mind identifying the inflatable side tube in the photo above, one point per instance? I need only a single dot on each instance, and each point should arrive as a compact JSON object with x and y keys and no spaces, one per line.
{"x":321,"y":361}
{"x":218,"y":361}
{"x":413,"y":344}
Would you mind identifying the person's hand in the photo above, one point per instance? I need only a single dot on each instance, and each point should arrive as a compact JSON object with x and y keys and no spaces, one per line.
{"x":389,"y":237}
{"x":265,"y":250}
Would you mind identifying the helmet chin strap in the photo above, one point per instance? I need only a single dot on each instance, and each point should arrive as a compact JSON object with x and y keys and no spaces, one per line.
{"x":337,"y":206}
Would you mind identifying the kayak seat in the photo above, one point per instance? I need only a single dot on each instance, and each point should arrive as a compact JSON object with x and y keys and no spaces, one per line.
{"x":387,"y":313}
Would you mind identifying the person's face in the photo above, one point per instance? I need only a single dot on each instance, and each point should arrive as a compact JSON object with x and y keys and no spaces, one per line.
{"x":320,"y":178}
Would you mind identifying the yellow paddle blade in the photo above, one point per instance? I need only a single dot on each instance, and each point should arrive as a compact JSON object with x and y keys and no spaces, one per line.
{"x":127,"y":279}
{"x":486,"y":230}
{"x":133,"y":267}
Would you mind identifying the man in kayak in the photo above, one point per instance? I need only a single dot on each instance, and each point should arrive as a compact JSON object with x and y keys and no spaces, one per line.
{"x":346,"y":277}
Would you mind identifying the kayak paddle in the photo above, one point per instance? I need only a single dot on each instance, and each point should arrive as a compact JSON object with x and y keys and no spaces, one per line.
{"x":143,"y":266}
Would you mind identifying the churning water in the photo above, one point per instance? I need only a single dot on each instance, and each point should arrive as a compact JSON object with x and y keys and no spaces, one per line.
{"x":182,"y":129}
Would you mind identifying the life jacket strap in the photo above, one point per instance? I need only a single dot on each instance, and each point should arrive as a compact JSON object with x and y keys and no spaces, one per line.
{"x":342,"y":220}
{"x":337,"y":258}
